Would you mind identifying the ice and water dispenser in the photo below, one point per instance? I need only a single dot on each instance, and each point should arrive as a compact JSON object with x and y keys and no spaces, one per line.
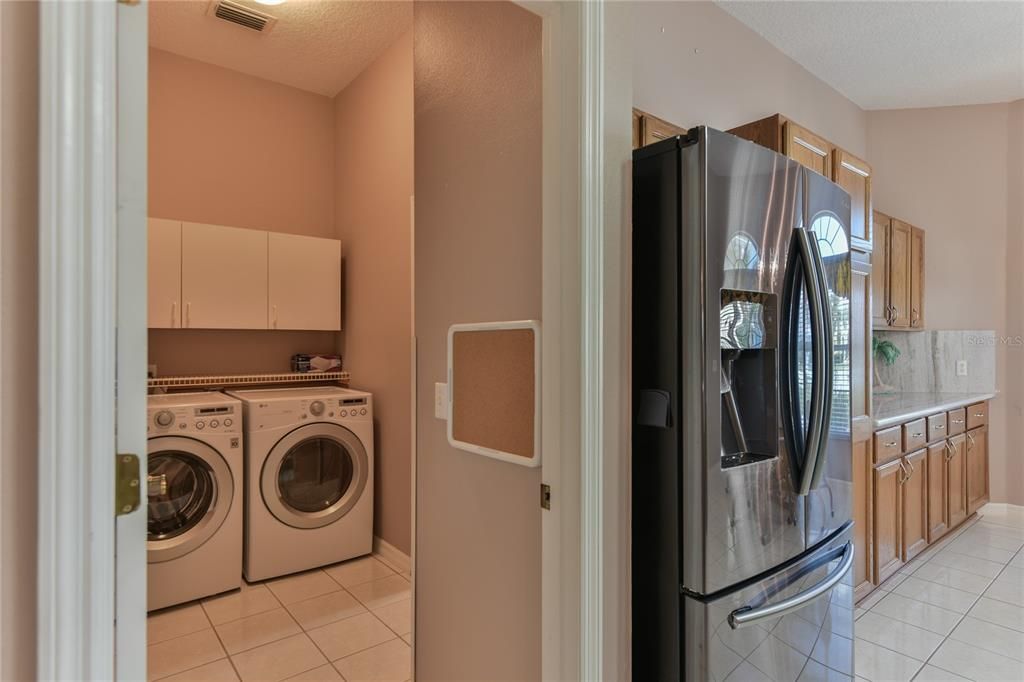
{"x":748,"y":377}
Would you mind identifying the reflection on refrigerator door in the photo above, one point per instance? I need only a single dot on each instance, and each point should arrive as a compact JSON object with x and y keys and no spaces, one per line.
{"x":796,"y":624}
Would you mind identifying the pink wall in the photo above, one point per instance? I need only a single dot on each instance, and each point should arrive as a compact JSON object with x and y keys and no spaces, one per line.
{"x":946,"y":170}
{"x":1014,"y":372}
{"x":478,"y":258}
{"x":232,"y":149}
{"x":373,"y":119}
{"x":694,"y":63}
{"x":19,"y":273}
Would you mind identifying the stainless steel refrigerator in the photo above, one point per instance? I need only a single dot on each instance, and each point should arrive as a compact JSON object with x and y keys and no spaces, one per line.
{"x":741,"y":465}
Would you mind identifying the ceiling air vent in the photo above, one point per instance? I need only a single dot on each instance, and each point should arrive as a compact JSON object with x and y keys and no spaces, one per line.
{"x":243,"y":16}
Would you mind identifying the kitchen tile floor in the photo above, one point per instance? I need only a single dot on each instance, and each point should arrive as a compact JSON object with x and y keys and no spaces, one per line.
{"x":954,"y":613}
{"x":351,"y":621}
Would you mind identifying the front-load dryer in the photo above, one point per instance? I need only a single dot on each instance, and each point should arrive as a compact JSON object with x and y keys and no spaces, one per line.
{"x":308,"y":478}
{"x":194,"y":482}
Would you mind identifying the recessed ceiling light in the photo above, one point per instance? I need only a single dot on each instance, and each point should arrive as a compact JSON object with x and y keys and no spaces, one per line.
{"x":270,"y":2}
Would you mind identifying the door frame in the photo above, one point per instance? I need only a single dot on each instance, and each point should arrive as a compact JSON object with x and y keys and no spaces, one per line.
{"x":93,"y":334}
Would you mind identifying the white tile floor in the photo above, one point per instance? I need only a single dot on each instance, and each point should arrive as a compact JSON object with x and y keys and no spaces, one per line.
{"x":350,"y":621}
{"x":954,"y":613}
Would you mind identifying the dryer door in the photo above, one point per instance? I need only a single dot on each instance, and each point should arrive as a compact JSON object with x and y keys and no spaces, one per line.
{"x":190,"y":489}
{"x":315,"y":475}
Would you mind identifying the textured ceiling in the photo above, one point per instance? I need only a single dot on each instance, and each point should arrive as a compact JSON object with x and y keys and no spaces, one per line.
{"x":895,"y":55}
{"x":316,"y":45}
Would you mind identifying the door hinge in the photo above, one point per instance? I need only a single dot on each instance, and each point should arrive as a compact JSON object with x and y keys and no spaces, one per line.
{"x":127,"y":491}
{"x":545,"y":496}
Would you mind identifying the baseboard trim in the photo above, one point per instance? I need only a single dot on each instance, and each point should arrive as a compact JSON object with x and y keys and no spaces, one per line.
{"x":391,"y":555}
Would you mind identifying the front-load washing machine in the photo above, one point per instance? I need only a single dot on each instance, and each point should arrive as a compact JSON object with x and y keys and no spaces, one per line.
{"x":195,"y":465}
{"x":308,"y":478}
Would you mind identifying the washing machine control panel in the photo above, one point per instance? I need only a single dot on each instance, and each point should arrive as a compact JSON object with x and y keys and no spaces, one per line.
{"x":205,"y":419}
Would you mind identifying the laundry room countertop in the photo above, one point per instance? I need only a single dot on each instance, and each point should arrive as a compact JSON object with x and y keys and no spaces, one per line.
{"x":896,"y":408}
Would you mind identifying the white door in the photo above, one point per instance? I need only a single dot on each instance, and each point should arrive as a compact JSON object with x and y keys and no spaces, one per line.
{"x":164,"y":261}
{"x":223,"y":277}
{"x":305,"y":282}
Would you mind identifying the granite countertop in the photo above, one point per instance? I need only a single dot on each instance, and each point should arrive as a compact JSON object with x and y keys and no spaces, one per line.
{"x":895,"y":408}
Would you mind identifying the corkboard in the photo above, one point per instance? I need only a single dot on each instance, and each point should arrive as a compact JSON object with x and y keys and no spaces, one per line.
{"x":493,"y":390}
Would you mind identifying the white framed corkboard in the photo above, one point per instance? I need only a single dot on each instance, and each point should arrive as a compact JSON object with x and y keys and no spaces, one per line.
{"x":494,"y":390}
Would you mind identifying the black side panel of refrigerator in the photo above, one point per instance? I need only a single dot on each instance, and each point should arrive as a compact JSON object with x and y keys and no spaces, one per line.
{"x":656,"y":576}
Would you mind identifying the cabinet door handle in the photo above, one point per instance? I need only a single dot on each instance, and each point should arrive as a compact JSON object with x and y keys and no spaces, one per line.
{"x":274,"y":324}
{"x":970,"y":442}
{"x":188,"y":314}
{"x":950,"y":451}
{"x":174,"y":313}
{"x":904,"y":476}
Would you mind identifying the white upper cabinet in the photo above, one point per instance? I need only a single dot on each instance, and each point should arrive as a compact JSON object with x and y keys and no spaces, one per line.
{"x":164,"y":263}
{"x":305,"y":282}
{"x":223,"y":277}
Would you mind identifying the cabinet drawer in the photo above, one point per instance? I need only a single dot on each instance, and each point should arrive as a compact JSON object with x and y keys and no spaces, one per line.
{"x":937,"y":427}
{"x":977,"y":415}
{"x":915,"y":435}
{"x":887,"y":445}
{"x":956,"y":421}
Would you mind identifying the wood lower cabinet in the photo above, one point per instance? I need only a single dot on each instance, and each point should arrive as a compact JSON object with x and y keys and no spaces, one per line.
{"x":976,"y":466}
{"x":862,"y":536}
{"x":914,"y":504}
{"x":937,"y":511}
{"x":956,"y":481}
{"x":886,"y":510}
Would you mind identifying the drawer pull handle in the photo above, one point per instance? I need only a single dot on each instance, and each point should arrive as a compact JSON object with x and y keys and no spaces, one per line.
{"x":917,"y":435}
{"x":979,"y":414}
{"x":939,"y":427}
{"x":958,"y":421}
{"x":891,"y":444}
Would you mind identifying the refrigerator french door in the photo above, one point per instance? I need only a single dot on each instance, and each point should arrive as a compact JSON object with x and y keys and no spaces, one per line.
{"x":741,"y":393}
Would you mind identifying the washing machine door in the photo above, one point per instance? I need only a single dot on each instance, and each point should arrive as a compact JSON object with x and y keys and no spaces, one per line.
{"x":190,"y":488}
{"x":314,"y":475}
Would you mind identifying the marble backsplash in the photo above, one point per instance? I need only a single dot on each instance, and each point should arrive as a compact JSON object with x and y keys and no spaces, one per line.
{"x":928,"y":360}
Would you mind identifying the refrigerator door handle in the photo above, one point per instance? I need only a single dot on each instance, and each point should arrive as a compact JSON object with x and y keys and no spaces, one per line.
{"x":804,"y":467}
{"x":823,"y":364}
{"x":748,"y":615}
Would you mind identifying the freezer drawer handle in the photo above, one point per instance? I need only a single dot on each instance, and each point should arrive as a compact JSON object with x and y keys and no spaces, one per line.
{"x":747,"y":615}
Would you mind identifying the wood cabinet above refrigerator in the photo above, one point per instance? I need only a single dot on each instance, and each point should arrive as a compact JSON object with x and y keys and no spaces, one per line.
{"x":815,"y":152}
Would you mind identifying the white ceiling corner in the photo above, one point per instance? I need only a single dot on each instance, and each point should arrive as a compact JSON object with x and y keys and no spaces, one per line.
{"x":317,"y":45}
{"x":895,"y":54}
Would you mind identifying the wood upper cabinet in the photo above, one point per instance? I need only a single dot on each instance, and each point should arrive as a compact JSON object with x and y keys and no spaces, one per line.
{"x":854,"y":175}
{"x":956,"y":481}
{"x":914,"y":504}
{"x":648,"y":129}
{"x":164,"y":273}
{"x":862,"y":537}
{"x":899,"y":274}
{"x":304,"y":282}
{"x":223,"y":277}
{"x":881,"y":230}
{"x":937,"y":490}
{"x":916,"y":278}
{"x":977,"y":468}
{"x":887,"y":534}
{"x":808,"y":149}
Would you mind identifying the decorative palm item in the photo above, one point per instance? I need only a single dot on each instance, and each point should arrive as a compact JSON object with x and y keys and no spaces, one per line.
{"x":885,"y":352}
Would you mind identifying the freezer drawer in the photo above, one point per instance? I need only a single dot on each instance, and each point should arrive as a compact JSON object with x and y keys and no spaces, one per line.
{"x":796,"y":622}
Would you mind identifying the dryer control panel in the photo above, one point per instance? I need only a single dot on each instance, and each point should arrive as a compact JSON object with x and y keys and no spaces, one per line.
{"x":201,"y":419}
